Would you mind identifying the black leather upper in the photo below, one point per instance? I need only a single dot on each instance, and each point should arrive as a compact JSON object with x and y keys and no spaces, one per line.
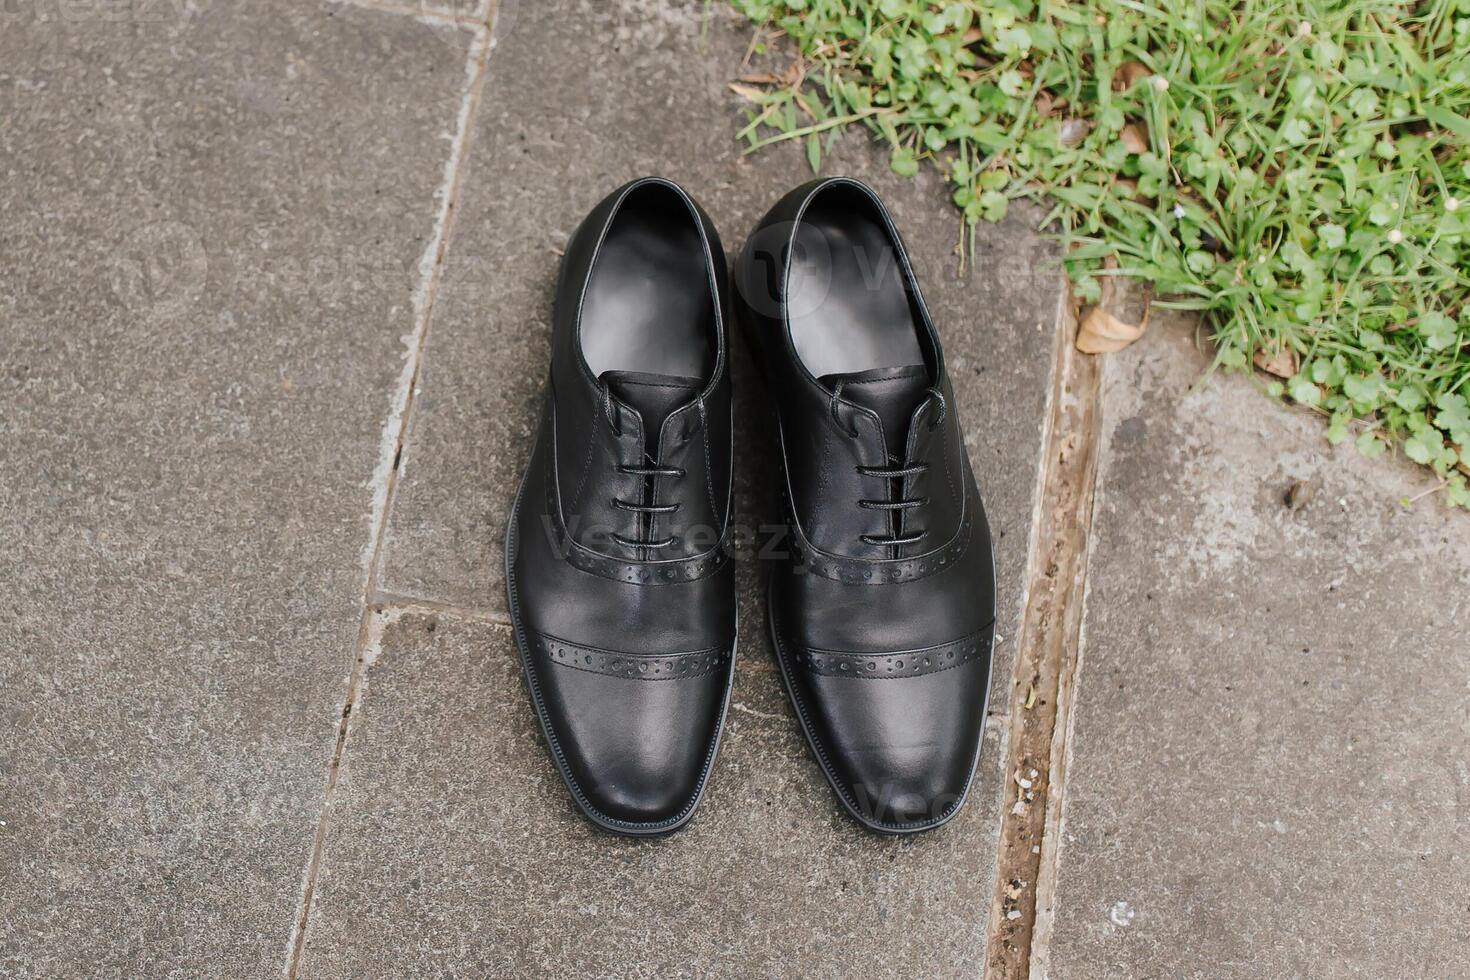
{"x":621,"y":589}
{"x":883,"y":610}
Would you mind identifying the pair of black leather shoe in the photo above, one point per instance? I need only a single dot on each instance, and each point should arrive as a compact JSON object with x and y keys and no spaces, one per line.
{"x":619,"y":554}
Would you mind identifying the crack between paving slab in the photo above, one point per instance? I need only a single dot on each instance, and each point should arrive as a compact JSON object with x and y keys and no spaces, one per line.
{"x":390,"y":451}
{"x":434,"y":607}
{"x":376,"y":619}
{"x":1046,"y":655}
{"x":1061,"y":756}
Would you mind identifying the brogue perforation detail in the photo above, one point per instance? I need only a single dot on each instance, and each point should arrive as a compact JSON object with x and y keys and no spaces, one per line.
{"x":908,"y":663}
{"x":666,"y":572}
{"x":652,"y":667}
{"x":872,"y":571}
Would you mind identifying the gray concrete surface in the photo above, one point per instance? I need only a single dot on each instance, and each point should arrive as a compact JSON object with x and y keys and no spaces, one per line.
{"x":1269,"y":773}
{"x":455,"y":851}
{"x":212,"y":222}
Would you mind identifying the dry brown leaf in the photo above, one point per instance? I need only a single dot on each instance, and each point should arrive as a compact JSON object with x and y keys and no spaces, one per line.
{"x":1128,"y":73}
{"x":1103,"y":333}
{"x":747,"y":92}
{"x":1280,"y":360}
{"x":1134,"y":138}
{"x":1119,"y":317}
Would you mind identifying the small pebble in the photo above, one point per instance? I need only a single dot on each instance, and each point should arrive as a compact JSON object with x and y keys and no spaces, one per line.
{"x":1073,"y":131}
{"x":1299,"y":494}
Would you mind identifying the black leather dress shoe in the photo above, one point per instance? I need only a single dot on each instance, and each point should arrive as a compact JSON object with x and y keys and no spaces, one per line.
{"x":620,"y":583}
{"x":882,"y":614}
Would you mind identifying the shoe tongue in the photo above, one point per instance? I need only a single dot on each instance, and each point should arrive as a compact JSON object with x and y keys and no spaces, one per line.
{"x":892,"y":392}
{"x":653,"y":396}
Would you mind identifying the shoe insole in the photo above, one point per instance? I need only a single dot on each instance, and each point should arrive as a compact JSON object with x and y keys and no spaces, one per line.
{"x":846,"y":301}
{"x":648,"y":305}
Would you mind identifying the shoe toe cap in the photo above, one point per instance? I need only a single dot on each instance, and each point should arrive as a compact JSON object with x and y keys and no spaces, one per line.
{"x":636,"y":749}
{"x":910,"y":786}
{"x":901,"y":749}
{"x":646,"y":792}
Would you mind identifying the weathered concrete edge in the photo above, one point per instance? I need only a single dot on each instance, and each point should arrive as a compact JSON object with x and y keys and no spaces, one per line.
{"x":1046,"y":649}
{"x":1395,"y":478}
{"x":1043,"y":916}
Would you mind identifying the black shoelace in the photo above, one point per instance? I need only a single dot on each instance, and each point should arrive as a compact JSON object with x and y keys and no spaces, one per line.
{"x":651,"y":474}
{"x":892,"y":474}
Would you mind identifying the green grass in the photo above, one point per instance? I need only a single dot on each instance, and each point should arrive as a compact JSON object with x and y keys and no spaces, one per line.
{"x":1297,"y":172}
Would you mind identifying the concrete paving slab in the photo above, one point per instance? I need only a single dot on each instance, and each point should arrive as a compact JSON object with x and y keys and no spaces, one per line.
{"x":213,"y":217}
{"x":1268,"y":770}
{"x":453,"y":849}
{"x":649,"y":95}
